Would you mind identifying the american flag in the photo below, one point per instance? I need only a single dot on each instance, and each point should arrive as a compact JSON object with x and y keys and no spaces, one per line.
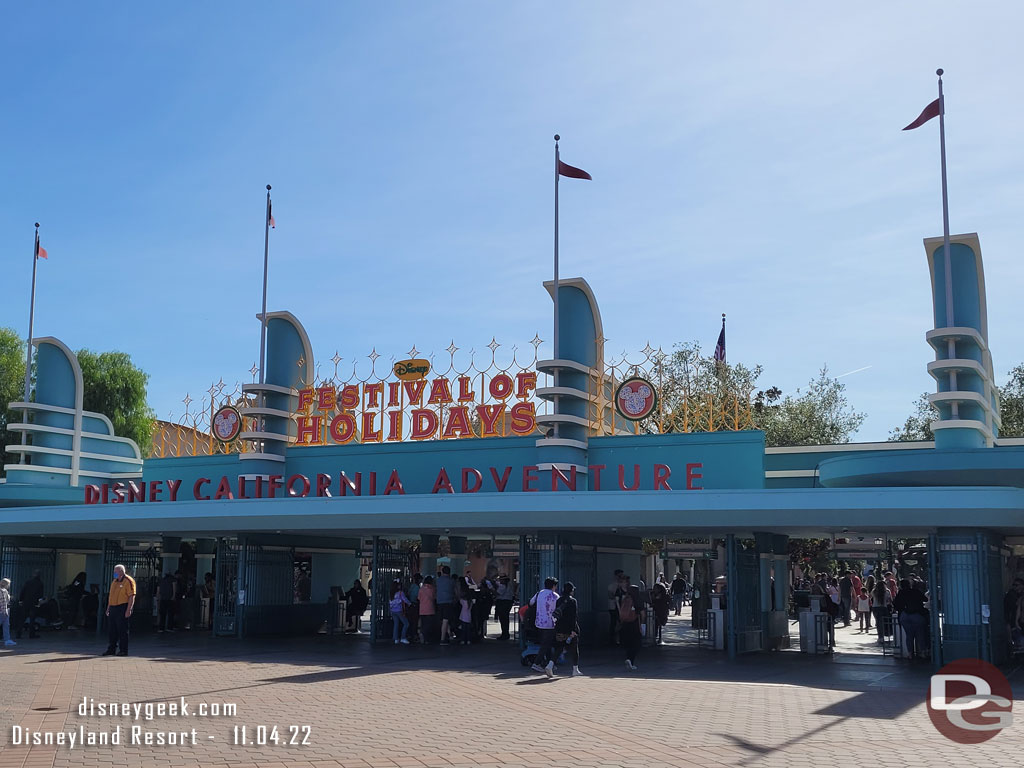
{"x":720,"y":346}
{"x":270,"y":215}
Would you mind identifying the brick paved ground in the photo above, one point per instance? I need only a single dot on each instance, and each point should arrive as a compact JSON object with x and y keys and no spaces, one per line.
{"x":411,"y":706}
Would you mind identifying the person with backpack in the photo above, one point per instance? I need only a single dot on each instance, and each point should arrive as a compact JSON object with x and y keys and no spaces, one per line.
{"x":545,"y":602}
{"x":660,"y":604}
{"x":567,"y":628}
{"x":631,"y":617}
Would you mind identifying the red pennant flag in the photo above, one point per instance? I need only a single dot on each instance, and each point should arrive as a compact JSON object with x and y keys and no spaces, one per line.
{"x":571,"y":172}
{"x":42,"y":252}
{"x":932,"y":110}
{"x":270,"y":216}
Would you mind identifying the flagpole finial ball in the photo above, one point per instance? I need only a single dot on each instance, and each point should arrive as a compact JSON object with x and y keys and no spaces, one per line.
{"x":37,"y":225}
{"x":557,"y":137}
{"x":268,"y":187}
{"x":938,"y":72}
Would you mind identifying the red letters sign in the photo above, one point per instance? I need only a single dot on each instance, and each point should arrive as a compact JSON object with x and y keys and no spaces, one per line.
{"x":624,"y":477}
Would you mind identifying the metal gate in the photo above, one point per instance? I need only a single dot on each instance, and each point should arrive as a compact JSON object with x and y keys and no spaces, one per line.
{"x":388,"y":564}
{"x":225,"y":606}
{"x":960,"y":604}
{"x":143,"y":566}
{"x":578,"y":564}
{"x":538,"y":559}
{"x":19,"y":564}
{"x":743,"y":597}
{"x":267,"y":595}
{"x":998,"y":636}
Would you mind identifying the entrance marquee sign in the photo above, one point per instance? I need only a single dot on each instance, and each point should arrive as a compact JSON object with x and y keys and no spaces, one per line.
{"x":527,"y":479}
{"x":417,"y":408}
{"x":636,"y":398}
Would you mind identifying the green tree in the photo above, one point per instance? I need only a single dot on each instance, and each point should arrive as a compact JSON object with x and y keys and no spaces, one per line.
{"x":1011,"y":404}
{"x":117,"y":389}
{"x":690,"y":386}
{"x":918,"y":425}
{"x":12,"y":389}
{"x":821,"y":415}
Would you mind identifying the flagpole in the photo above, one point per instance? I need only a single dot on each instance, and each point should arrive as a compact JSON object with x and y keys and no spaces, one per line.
{"x":28,"y":352}
{"x":945,"y":207}
{"x":948,"y":267}
{"x":263,"y":314}
{"x":723,"y":338}
{"x":557,"y":348}
{"x":556,"y":345}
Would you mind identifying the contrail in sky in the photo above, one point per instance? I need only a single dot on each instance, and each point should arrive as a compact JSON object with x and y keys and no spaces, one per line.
{"x":850,"y":373}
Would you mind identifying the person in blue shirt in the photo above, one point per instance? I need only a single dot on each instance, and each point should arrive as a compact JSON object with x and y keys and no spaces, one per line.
{"x":446,"y":607}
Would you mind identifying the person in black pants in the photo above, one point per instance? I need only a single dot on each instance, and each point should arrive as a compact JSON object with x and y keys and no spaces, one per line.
{"x":545,"y":600}
{"x":631,"y":616}
{"x":119,"y":610}
{"x":29,"y":598}
{"x":166,"y":605}
{"x":845,"y":597}
{"x":506,"y":595}
{"x":567,"y":628}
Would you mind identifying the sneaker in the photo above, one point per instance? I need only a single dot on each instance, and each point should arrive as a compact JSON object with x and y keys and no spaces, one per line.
{"x":629,"y":665}
{"x":122,"y":653}
{"x":536,"y":667}
{"x":576,"y":672}
{"x":9,"y":642}
{"x":396,"y":642}
{"x":404,"y":641}
{"x":549,"y":670}
{"x":109,"y":652}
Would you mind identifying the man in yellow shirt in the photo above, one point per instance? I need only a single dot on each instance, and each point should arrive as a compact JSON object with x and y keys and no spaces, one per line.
{"x":119,"y":610}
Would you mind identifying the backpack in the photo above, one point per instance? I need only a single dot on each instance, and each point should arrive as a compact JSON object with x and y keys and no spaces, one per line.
{"x":530,"y":616}
{"x":627,"y":611}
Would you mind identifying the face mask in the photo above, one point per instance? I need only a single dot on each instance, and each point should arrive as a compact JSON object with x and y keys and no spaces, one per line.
{"x":117,"y":575}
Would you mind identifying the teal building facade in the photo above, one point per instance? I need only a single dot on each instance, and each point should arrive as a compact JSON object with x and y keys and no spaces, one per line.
{"x":568,"y":486}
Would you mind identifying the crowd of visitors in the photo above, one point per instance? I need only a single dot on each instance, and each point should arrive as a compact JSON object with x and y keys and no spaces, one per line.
{"x":880,"y":601}
{"x":442,"y":609}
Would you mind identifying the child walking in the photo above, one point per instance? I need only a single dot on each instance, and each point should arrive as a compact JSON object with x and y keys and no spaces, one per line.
{"x":864,"y":610}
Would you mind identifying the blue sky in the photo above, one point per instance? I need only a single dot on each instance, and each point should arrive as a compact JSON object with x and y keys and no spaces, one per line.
{"x":747,"y":159}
